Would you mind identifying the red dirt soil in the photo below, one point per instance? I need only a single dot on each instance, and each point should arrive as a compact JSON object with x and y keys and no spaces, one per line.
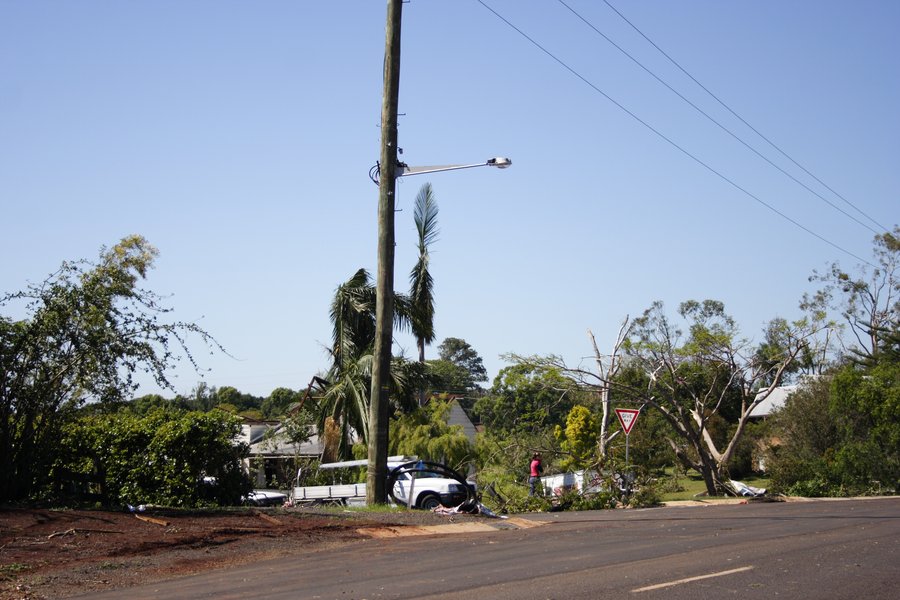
{"x":60,"y":553}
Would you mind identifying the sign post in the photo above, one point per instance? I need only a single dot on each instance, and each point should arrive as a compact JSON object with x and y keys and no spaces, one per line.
{"x":627,"y":417}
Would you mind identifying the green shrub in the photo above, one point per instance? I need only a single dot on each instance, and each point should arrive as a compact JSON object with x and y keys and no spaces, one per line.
{"x":600,"y":501}
{"x":167,"y":457}
{"x":644,"y":496}
{"x":818,"y":487}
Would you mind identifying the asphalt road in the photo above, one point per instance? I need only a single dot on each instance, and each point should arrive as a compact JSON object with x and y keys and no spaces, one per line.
{"x":814,"y":549}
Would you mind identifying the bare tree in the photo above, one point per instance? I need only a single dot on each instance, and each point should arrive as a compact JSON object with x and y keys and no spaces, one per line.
{"x":607,"y":368}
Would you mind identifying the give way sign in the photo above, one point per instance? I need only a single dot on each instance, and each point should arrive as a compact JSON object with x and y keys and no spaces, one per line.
{"x":627,"y":417}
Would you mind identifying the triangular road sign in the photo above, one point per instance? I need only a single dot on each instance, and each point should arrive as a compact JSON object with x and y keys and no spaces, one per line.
{"x":627,"y":417}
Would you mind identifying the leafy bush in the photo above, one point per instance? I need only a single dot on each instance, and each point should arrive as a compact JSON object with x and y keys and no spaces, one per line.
{"x":524,"y":504}
{"x":670,"y":485}
{"x":170,"y":458}
{"x":312,"y":475}
{"x":817,"y":487}
{"x":841,"y":435}
{"x":502,"y":491}
{"x":645,"y":495}
{"x":577,"y":501}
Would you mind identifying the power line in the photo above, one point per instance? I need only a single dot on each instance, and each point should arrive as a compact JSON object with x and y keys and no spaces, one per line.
{"x":742,"y":120}
{"x":667,"y":139}
{"x":713,"y":120}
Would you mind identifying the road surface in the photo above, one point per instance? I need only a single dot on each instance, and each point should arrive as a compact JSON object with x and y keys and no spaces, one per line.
{"x":811,"y":549}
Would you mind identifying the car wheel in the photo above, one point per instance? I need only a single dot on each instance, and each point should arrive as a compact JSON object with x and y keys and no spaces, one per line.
{"x":429,"y":502}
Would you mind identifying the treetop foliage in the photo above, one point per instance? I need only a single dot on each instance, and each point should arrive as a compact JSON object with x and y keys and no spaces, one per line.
{"x":460,"y":353}
{"x":527,"y":397}
{"x":579,"y":438}
{"x":867,"y":301}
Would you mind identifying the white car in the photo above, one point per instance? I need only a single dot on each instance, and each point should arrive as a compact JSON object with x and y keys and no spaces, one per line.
{"x":429,"y":489}
{"x":265,"y":498}
{"x":414,"y":485}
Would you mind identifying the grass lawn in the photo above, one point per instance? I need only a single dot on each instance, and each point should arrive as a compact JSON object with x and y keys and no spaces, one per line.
{"x":693,"y":485}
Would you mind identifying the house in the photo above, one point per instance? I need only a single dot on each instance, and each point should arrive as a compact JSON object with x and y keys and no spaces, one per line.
{"x":272,"y":455}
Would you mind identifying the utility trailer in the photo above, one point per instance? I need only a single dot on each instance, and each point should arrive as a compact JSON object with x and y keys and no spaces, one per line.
{"x":341,"y":493}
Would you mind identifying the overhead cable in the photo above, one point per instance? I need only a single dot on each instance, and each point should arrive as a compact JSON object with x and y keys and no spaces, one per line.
{"x":720,"y":125}
{"x":742,"y":120}
{"x":667,"y":139}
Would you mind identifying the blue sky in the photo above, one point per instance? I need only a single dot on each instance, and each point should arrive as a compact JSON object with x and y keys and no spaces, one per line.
{"x":237,"y":138}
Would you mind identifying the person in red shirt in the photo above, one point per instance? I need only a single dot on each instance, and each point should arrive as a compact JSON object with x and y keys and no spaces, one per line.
{"x":535,"y":473}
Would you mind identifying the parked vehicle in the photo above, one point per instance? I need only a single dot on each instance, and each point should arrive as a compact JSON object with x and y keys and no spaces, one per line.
{"x":429,"y":485}
{"x":265,"y":498}
{"x":414,"y":483}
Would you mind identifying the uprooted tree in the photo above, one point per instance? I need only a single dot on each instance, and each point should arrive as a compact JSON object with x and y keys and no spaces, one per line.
{"x":694,"y":378}
{"x":86,"y":330}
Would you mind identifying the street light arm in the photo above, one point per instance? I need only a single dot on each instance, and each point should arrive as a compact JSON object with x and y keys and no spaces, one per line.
{"x":404,"y":170}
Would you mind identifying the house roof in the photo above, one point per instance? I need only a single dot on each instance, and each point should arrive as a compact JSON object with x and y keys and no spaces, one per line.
{"x":269,"y":440}
{"x":458,"y":416}
{"x":278,"y":445}
{"x":774,"y":401}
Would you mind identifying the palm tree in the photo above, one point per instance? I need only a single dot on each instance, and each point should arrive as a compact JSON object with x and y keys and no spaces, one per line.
{"x":346,"y":397}
{"x":352,"y":318}
{"x":421,"y":283}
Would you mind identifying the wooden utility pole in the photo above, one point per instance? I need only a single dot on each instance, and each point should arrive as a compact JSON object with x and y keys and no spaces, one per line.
{"x":376,"y":479}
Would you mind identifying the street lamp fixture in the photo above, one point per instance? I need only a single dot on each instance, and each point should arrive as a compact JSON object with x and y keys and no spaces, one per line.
{"x":404,"y":170}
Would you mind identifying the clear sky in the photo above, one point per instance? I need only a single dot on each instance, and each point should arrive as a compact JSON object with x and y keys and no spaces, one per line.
{"x":237,"y":138}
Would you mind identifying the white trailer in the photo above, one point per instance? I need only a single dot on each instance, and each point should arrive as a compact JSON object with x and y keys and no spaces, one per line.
{"x":582,"y":482}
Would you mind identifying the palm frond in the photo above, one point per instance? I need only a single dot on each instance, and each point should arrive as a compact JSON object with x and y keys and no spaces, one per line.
{"x":346,"y":401}
{"x":353,"y":317}
{"x":403,"y":312}
{"x":421,"y":282}
{"x":425,"y":216}
{"x":407,"y":377}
